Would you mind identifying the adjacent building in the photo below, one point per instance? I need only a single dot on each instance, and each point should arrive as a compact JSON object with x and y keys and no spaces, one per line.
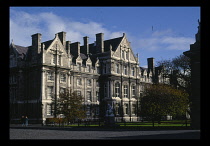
{"x":194,"y":55}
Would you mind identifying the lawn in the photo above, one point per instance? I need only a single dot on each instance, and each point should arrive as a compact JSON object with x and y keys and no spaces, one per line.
{"x":162,"y":123}
{"x":178,"y":123}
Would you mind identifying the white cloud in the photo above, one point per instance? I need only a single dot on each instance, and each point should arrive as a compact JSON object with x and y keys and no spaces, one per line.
{"x":177,"y":43}
{"x":23,"y":25}
{"x":159,"y":33}
{"x":165,"y":40}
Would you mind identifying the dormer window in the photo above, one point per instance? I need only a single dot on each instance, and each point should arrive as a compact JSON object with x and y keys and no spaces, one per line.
{"x":54,"y":59}
{"x":88,"y":69}
{"x":123,"y":54}
{"x":98,"y":70}
{"x":126,"y":55}
{"x":59,"y":59}
{"x":79,"y":66}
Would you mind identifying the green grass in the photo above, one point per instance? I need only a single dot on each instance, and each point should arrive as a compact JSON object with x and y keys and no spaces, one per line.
{"x":163,"y":123}
{"x":178,"y":123}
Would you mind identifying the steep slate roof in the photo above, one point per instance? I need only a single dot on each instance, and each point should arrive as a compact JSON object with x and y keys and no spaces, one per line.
{"x":20,"y":50}
{"x":47,"y":43}
{"x":142,"y":69}
{"x":92,"y":50}
{"x":114,"y":42}
{"x":73,"y":46}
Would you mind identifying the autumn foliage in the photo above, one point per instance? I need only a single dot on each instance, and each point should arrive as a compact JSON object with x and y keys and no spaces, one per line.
{"x":160,"y":100}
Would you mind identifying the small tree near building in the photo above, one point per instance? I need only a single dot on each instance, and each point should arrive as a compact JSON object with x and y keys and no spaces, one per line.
{"x":160,"y":100}
{"x":69,"y":104}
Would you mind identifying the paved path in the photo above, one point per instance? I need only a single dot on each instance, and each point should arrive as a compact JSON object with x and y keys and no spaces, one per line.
{"x":53,"y":133}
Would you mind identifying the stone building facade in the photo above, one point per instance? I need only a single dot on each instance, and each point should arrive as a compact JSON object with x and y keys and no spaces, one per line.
{"x":103,"y":72}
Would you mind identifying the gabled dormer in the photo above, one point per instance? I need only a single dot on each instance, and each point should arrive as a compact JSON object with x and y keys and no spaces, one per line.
{"x":78,"y":63}
{"x":56,"y":53}
{"x":123,"y":50}
{"x":88,"y":65}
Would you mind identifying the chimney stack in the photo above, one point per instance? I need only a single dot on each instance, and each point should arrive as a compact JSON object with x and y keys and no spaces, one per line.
{"x":100,"y":42}
{"x":78,"y":48}
{"x":36,"y":41}
{"x":62,"y":37}
{"x":150,"y":62}
{"x":86,"y":45}
{"x":68,"y":47}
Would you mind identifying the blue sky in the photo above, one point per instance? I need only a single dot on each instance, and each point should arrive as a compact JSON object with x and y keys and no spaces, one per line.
{"x":159,"y":32}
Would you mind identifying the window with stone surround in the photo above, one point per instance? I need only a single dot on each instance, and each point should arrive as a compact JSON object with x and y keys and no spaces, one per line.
{"x":88,"y":82}
{"x":49,"y":92}
{"x":49,"y":110}
{"x":97,"y":96}
{"x":79,"y":81}
{"x":133,"y":109}
{"x":125,"y":91}
{"x":89,"y":95}
{"x":117,"y":89}
{"x":133,"y":90}
{"x":59,"y":59}
{"x":88,"y":69}
{"x":98,"y":70}
{"x":123,"y":54}
{"x":117,"y":68}
{"x":126,"y":109}
{"x":125,"y":70}
{"x":79,"y":67}
{"x":50,"y":76}
{"x":54,"y":59}
{"x":126,"y":55}
{"x":63,"y":77}
{"x":132,"y":71}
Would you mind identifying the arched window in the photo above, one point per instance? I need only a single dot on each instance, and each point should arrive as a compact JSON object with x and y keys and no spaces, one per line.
{"x":117,"y":89}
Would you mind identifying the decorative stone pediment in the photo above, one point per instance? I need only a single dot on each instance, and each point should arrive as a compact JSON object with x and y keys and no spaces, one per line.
{"x":88,"y":60}
{"x":56,"y":45}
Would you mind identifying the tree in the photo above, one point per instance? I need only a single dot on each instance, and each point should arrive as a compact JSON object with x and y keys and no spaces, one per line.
{"x":160,"y":100}
{"x":70,"y":105}
{"x":178,"y":70}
